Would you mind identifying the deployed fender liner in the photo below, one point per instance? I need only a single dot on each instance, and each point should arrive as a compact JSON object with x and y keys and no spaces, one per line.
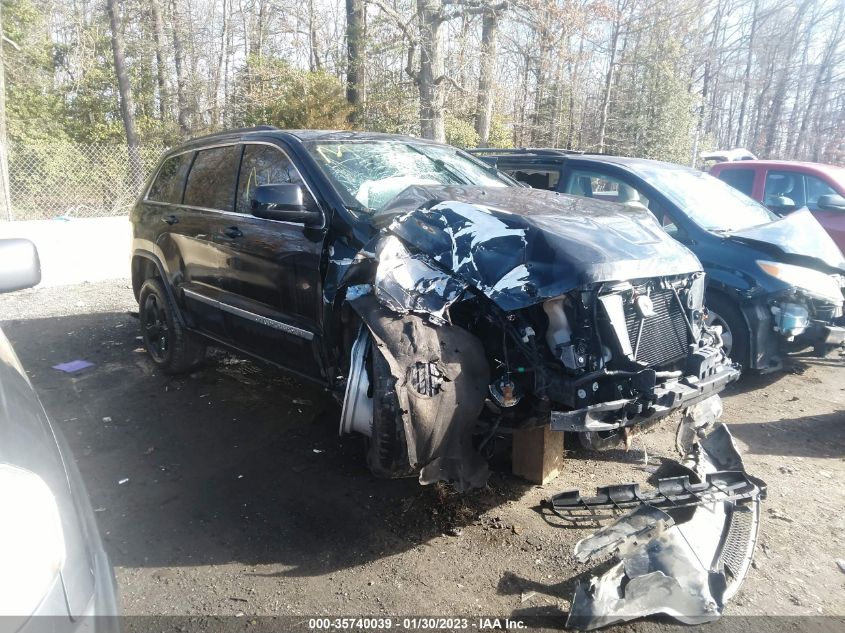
{"x":683,"y":550}
{"x":438,"y":425}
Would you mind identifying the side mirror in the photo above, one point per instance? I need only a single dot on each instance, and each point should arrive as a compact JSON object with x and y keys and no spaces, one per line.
{"x":831,"y":202}
{"x":283,"y":202}
{"x":19,"y":265}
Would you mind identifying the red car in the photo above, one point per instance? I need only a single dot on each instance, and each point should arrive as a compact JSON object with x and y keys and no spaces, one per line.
{"x":785,"y":186}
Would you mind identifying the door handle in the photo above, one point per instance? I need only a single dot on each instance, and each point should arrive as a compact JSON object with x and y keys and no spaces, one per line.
{"x":233,"y":231}
{"x":170,"y":219}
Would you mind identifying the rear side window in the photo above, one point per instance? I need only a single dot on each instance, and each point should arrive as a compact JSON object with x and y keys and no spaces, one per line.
{"x":741,"y":179}
{"x":590,"y":184}
{"x":537,"y":178}
{"x":784,"y":189}
{"x":170,"y":180}
{"x":212,"y":180}
{"x":816,"y":188}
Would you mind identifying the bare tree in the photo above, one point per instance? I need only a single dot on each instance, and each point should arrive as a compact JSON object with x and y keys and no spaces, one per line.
{"x":184,"y":116}
{"x":161,"y":63}
{"x":127,"y":106}
{"x":356,"y":56}
{"x":487,"y":70}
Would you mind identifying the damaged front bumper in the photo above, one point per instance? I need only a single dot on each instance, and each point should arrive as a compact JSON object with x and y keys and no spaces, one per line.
{"x":664,"y":399}
{"x":823,"y":334}
{"x":683,"y":550}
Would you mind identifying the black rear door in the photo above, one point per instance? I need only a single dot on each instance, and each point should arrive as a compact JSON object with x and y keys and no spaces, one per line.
{"x":207,"y":207}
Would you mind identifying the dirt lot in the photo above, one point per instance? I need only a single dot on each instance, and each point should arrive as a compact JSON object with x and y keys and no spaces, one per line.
{"x":241,"y":498}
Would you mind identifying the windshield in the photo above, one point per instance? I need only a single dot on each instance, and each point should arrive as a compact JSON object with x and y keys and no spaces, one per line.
{"x":706,"y":200}
{"x":369,"y":174}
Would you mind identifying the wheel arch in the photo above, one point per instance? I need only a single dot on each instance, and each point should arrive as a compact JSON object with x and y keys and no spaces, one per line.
{"x":727,"y":295}
{"x":146,"y":265}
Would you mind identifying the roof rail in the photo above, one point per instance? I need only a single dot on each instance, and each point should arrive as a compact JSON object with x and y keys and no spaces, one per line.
{"x":535,"y":151}
{"x":239,"y":130}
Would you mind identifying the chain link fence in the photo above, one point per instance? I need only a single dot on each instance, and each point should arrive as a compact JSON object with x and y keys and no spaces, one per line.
{"x":49,"y":180}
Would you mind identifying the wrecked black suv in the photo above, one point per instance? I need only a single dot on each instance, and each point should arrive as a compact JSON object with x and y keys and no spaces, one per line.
{"x":439,"y":300}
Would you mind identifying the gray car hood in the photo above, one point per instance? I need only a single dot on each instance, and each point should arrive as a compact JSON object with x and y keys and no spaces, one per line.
{"x":521,"y":246}
{"x":797,"y":238}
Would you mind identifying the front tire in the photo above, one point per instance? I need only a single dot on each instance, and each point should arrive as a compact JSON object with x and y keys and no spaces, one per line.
{"x":735,"y":338}
{"x":171,"y":347}
{"x":387,"y":450}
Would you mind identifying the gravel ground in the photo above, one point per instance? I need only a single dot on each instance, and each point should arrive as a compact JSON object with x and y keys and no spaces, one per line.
{"x":242,"y":499}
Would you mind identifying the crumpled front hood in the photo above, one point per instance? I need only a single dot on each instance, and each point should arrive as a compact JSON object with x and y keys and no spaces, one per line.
{"x":522,"y":246}
{"x":799,"y":236}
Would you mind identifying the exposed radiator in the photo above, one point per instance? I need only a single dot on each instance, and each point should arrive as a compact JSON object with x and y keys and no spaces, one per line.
{"x":665,"y":336}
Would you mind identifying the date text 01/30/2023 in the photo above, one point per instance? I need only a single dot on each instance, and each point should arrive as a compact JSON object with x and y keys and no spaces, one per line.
{"x":415,"y":623}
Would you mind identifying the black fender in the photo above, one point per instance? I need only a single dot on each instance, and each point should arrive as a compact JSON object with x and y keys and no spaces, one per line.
{"x":764,"y":343}
{"x":162,"y":273}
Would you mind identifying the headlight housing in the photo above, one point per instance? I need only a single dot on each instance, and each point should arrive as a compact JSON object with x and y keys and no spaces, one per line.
{"x":32,"y":545}
{"x":814,"y":283}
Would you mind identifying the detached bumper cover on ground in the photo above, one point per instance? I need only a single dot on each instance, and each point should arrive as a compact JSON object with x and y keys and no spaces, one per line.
{"x":683,"y":550}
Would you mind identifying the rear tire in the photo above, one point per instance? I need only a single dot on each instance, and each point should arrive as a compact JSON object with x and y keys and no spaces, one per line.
{"x":170,"y":346}
{"x":387,"y":449}
{"x":722,"y":311}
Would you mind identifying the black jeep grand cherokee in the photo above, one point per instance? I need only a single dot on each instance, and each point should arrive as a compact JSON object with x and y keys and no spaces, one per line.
{"x":438,"y":299}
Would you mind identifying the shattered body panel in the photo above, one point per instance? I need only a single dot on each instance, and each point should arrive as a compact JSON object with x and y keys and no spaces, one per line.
{"x":683,"y":550}
{"x":520,"y":249}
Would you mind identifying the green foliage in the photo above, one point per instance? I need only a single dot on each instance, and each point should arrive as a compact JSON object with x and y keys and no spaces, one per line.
{"x":392,"y":107}
{"x":460,"y":132}
{"x":272,"y":91}
{"x":501,"y":135}
{"x":653,"y":116}
{"x":33,"y":110}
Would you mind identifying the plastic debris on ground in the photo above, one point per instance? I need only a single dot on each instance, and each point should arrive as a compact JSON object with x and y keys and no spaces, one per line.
{"x":682,"y":549}
{"x":73,"y":366}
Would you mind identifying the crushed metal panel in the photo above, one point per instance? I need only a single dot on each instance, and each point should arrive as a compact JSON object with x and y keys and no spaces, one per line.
{"x":438,"y":426}
{"x":521,"y":249}
{"x":408,"y":283}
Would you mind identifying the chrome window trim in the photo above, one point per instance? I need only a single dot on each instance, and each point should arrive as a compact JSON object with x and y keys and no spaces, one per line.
{"x":147,"y":200}
{"x":251,"y":316}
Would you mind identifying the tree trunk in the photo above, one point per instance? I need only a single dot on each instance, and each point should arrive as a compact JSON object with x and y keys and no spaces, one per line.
{"x":127,"y":107}
{"x":313,"y":44}
{"x":184,"y":115}
{"x":356,"y":60}
{"x":431,"y":74}
{"x":824,"y":67}
{"x":608,"y":79}
{"x":486,"y":75}
{"x":746,"y":78}
{"x":161,"y":61}
{"x":221,"y":59}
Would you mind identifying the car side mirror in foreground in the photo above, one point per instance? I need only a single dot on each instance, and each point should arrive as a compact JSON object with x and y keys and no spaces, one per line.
{"x":283,"y":202}
{"x":20,"y":266}
{"x":831,"y":202}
